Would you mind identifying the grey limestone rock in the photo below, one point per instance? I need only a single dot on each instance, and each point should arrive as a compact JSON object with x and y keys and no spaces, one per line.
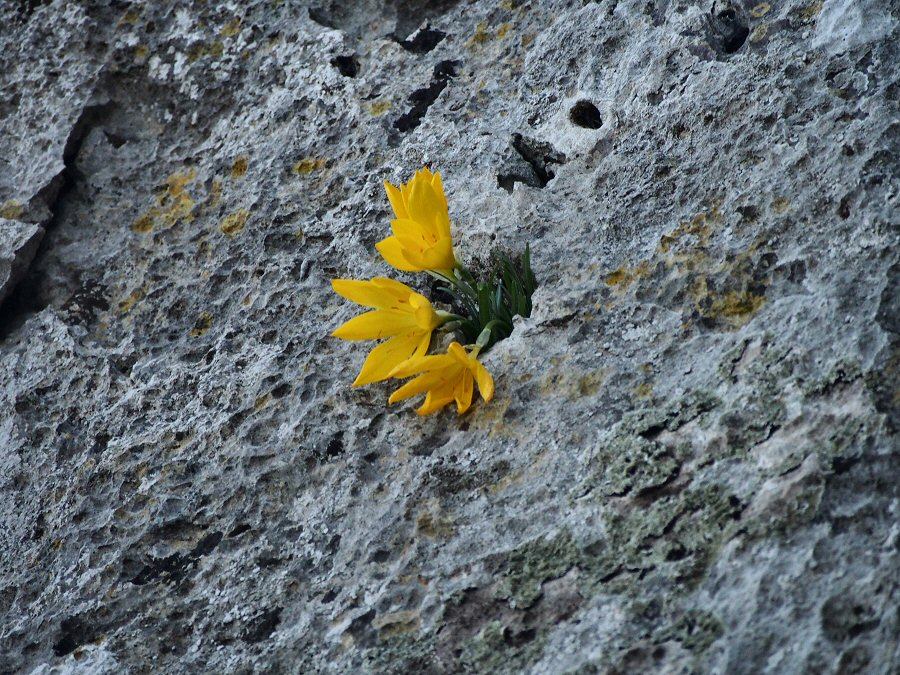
{"x":691,"y":461}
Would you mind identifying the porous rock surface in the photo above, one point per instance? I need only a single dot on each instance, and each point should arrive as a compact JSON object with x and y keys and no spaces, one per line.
{"x":691,"y":462}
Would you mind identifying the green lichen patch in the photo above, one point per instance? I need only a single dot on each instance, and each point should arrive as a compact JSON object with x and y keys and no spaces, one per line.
{"x":532,"y":564}
{"x":696,"y":629}
{"x":630,"y":460}
{"x":678,"y":533}
{"x":498,"y":649}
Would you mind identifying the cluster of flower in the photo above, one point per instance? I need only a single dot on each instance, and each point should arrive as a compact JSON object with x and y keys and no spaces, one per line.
{"x":421,"y":242}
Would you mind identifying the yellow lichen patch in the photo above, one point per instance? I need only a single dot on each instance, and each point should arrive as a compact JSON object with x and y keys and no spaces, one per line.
{"x":811,"y":11}
{"x":144,"y":222}
{"x":262,"y":401}
{"x":780,"y":204}
{"x":11,"y":209}
{"x":176,"y":183}
{"x":527,"y":40}
{"x":379,"y":107}
{"x":180,"y":208}
{"x":503,"y":30}
{"x":239,"y":166}
{"x":624,"y":277}
{"x":397,"y":623}
{"x":233,"y":223}
{"x":129,"y":18}
{"x":698,"y":227}
{"x":736,"y":307}
{"x":307,"y":165}
{"x":434,"y":526}
{"x":644,"y":390}
{"x":231,"y":28}
{"x":760,"y":10}
{"x":141,"y":52}
{"x":202,"y":325}
{"x":759,"y":33}
{"x":481,"y":35}
{"x":214,"y":198}
{"x":130,"y":301}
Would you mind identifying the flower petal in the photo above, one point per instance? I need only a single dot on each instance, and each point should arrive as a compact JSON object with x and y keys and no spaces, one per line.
{"x":377,"y":324}
{"x":395,"y":197}
{"x":421,"y":365}
{"x":422,"y":383}
{"x":485,"y":381}
{"x":433,"y":403}
{"x":438,"y":186}
{"x":387,"y":356}
{"x":462,"y":392}
{"x":392,"y":252}
{"x":374,"y":293}
{"x":424,"y":203}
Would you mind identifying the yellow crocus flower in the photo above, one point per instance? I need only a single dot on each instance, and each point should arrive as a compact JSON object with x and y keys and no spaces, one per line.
{"x":421,"y":239}
{"x":401,"y":314}
{"x":446,"y":378}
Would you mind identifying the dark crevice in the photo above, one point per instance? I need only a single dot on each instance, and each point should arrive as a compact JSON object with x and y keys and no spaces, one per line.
{"x":727,"y":31}
{"x":422,"y":41}
{"x":74,"y":632}
{"x":347,"y":65}
{"x":422,"y":99}
{"x":176,"y":566}
{"x":535,"y":170}
{"x":586,"y":115}
{"x":27,"y":297}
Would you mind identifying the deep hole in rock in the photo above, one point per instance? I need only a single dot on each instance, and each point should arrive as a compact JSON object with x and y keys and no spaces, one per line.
{"x":347,"y":65}
{"x":30,"y":295}
{"x":423,"y":98}
{"x":73,"y":632}
{"x":537,"y":156}
{"x":586,"y":115}
{"x":729,"y":30}
{"x":422,"y":41}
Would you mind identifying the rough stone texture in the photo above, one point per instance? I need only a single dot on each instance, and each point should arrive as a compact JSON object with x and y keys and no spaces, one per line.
{"x":691,"y":464}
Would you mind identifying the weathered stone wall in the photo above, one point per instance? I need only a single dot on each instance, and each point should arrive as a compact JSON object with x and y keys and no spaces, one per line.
{"x":691,"y":463}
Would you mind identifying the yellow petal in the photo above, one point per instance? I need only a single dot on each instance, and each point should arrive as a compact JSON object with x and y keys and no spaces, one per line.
{"x":420,"y":365}
{"x":414,"y":231}
{"x":485,"y":381}
{"x":396,"y":199}
{"x":387,"y":356}
{"x":463,"y":392}
{"x":438,"y":186}
{"x":438,"y":257}
{"x":433,"y":403}
{"x":422,"y":383}
{"x":372,"y":293}
{"x":377,"y":324}
{"x":392,"y":252}
{"x":424,"y":203}
{"x":442,"y":226}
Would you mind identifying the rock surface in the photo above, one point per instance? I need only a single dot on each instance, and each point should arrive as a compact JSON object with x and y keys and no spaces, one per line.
{"x":691,"y":463}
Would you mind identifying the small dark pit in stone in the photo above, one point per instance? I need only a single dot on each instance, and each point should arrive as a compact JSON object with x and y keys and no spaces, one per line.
{"x":523,"y":637}
{"x":73,"y":632}
{"x":282,"y":390}
{"x":843,"y":209}
{"x":422,"y":99}
{"x":329,"y":596}
{"x":239,"y":529}
{"x":347,"y":65}
{"x":732,"y":31}
{"x":262,"y":626}
{"x":380,"y":556}
{"x":843,"y":464}
{"x":335,"y":445}
{"x":422,"y":41}
{"x":586,"y":115}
